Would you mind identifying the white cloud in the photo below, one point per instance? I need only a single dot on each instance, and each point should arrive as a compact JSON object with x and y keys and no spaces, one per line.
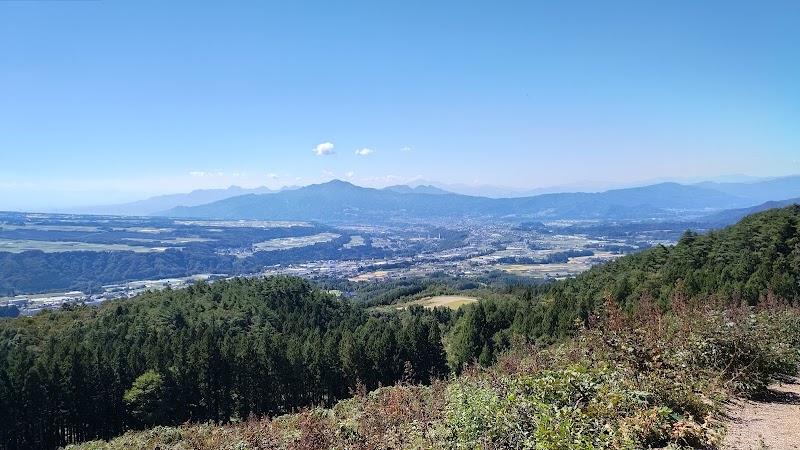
{"x":327,"y":173}
{"x":405,"y":149}
{"x":273,"y":176}
{"x":213,"y":173}
{"x":350,"y":174}
{"x":363,"y":152}
{"x":326,"y":148}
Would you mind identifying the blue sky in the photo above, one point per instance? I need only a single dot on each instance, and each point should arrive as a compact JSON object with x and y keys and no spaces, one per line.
{"x":104,"y":101}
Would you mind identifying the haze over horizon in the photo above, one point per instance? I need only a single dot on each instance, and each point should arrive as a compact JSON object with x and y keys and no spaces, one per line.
{"x":107,"y":102}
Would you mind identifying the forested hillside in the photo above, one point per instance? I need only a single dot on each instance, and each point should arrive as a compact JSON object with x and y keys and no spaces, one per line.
{"x":757,"y":257}
{"x":660,"y":334}
{"x":217,"y":352}
{"x":649,"y":380}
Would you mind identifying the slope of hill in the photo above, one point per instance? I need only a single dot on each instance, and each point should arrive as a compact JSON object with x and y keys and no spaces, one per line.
{"x":163,"y":202}
{"x":210,"y":352}
{"x":652,"y":381}
{"x":747,"y":262}
{"x":731,"y":216}
{"x":757,"y":258}
{"x":342,"y":201}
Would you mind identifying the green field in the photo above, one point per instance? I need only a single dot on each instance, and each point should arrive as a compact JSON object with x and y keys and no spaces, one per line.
{"x":355,"y":241}
{"x":175,"y":241}
{"x":243,"y":223}
{"x":293,"y":242}
{"x":19,"y":246}
{"x":448,"y":301}
{"x":146,"y":230}
{"x":78,"y":228}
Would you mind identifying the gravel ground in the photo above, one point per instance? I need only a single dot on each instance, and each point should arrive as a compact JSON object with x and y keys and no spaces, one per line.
{"x":771,"y":422}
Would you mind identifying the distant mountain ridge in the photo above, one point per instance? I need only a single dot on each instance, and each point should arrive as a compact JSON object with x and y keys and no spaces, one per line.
{"x":760,"y":191}
{"x":339,"y":201}
{"x":419,"y":189}
{"x":153,"y":205}
{"x":731,"y":216}
{"x":494,"y":191}
{"x":750,"y":190}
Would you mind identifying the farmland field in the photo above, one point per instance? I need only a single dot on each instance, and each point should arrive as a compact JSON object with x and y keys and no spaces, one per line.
{"x":19,"y":246}
{"x":573,"y":267}
{"x":76,"y":228}
{"x":176,"y":241}
{"x":244,"y":223}
{"x":448,"y":301}
{"x":377,"y":275}
{"x":294,"y":242}
{"x":355,"y":241}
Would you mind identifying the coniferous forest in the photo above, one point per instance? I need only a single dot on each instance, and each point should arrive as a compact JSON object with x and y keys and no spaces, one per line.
{"x":635,"y":353}
{"x":219,"y":351}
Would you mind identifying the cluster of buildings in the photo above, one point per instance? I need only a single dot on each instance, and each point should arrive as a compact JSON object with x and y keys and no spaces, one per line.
{"x":30,"y":305}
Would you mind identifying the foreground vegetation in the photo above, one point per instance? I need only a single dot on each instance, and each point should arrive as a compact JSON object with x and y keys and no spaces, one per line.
{"x":640,"y":381}
{"x":636,"y":353}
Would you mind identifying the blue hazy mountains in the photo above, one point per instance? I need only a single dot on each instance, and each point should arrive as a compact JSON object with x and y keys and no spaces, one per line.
{"x":760,"y":192}
{"x":339,"y":201}
{"x":421,"y":189}
{"x":153,"y":205}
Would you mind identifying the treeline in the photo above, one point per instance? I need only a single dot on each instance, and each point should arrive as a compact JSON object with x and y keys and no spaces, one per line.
{"x":218,"y":352}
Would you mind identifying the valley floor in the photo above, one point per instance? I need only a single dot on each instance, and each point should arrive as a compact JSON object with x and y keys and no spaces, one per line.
{"x":771,"y":422}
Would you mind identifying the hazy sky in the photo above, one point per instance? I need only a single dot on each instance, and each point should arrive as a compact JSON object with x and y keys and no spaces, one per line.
{"x":110,"y":100}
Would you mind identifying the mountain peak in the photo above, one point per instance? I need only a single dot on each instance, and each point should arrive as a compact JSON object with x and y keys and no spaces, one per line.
{"x":338,"y":182}
{"x":334,"y":184}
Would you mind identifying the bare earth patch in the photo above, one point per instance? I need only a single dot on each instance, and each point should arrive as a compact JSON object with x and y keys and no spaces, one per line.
{"x":773,"y":421}
{"x":450,"y":301}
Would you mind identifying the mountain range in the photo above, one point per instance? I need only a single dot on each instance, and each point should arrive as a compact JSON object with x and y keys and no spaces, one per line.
{"x":760,"y":191}
{"x":153,"y":205}
{"x":338,"y":201}
{"x":482,"y":190}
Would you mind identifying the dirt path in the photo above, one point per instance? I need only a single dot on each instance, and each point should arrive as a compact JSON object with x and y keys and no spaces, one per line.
{"x":773,"y":421}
